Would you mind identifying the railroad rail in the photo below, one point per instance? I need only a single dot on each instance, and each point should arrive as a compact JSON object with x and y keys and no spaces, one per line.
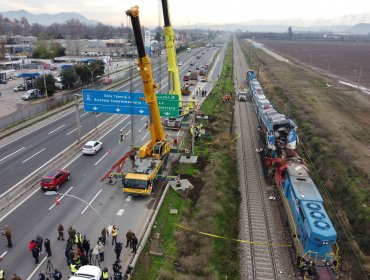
{"x":263,"y":257}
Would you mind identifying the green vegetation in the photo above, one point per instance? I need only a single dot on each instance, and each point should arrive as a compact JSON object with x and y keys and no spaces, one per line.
{"x":328,"y":118}
{"x":44,"y":52}
{"x":212,"y":206}
{"x":49,"y":81}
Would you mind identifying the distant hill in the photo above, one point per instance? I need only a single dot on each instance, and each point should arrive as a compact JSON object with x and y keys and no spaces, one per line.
{"x":47,"y":19}
{"x":361,"y":28}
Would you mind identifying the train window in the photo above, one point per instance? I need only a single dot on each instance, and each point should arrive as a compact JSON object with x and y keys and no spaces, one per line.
{"x":301,"y":179}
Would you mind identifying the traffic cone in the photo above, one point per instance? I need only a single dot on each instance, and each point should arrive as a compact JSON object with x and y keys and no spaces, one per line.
{"x":57,"y":200}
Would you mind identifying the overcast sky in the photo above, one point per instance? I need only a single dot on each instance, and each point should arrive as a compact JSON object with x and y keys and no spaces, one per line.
{"x":184,"y":12}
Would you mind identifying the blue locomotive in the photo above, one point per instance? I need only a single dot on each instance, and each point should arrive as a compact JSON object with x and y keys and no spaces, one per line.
{"x":314,"y":236}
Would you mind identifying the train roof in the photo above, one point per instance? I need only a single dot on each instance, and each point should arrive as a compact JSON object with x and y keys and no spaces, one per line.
{"x":302,"y":185}
{"x":311,"y":202}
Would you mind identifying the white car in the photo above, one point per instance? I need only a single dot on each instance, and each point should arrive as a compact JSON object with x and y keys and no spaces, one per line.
{"x":179,"y":63}
{"x":90,"y":272}
{"x":92,"y":147}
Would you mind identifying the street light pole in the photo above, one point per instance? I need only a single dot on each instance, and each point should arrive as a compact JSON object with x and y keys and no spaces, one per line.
{"x":359,"y":76}
{"x":78,"y":119}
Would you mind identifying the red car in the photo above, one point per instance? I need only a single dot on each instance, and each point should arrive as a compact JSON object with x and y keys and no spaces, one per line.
{"x":54,"y":178}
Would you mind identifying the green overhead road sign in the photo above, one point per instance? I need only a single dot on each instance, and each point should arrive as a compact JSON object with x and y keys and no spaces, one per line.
{"x":168,"y":105}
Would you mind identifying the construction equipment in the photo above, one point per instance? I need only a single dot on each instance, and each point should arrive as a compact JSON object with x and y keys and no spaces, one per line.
{"x":153,"y":154}
{"x":173,"y":70}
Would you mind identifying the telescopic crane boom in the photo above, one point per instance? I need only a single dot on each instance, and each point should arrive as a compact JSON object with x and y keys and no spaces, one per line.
{"x":158,"y":146}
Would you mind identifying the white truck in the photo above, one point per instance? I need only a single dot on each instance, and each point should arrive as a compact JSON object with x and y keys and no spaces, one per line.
{"x":242,"y":95}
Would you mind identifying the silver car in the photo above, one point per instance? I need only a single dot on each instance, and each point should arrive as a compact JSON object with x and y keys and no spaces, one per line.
{"x":92,"y":147}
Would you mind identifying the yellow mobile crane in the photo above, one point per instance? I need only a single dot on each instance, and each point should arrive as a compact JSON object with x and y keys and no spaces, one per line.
{"x":154,"y":154}
{"x":173,"y":70}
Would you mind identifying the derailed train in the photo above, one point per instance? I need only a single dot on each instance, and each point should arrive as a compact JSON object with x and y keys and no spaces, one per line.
{"x":313,"y":234}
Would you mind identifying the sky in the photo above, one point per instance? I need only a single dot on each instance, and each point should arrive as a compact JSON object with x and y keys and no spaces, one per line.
{"x":184,"y":12}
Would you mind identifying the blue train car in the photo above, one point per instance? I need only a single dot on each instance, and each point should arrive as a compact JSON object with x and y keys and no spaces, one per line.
{"x":313,"y":233}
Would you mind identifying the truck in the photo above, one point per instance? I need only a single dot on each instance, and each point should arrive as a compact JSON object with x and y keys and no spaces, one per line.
{"x":32,"y":94}
{"x":141,"y":178}
{"x":242,"y":95}
{"x":193,"y":78}
{"x":251,"y":75}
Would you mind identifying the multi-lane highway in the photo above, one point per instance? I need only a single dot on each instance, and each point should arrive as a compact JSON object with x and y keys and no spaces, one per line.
{"x":35,"y":213}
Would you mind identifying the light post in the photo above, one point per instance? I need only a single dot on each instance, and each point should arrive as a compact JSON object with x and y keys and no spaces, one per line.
{"x":78,"y":119}
{"x":310,"y":63}
{"x":92,"y":71}
{"x":326,"y":61}
{"x":43,"y":73}
{"x":359,"y":76}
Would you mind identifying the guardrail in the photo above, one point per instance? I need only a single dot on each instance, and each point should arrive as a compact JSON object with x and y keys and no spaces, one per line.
{"x":56,"y":162}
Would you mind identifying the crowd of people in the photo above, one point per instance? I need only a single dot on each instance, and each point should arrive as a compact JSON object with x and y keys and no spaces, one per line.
{"x":78,"y":250}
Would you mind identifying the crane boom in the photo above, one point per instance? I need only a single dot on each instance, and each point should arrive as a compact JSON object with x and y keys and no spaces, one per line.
{"x":173,"y":71}
{"x":158,"y":146}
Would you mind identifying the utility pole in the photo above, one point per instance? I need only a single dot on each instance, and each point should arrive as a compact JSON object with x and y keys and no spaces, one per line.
{"x":359,"y":76}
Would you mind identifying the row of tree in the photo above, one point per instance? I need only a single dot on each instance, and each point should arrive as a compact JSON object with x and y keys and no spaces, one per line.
{"x":79,"y":74}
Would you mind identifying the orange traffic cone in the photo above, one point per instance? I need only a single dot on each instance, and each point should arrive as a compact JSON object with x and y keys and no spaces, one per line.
{"x":57,"y":200}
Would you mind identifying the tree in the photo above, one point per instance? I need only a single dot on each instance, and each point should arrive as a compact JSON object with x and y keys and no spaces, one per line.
{"x":290,"y":33}
{"x":88,"y":72}
{"x":50,"y":84}
{"x":41,"y":51}
{"x":69,"y":77}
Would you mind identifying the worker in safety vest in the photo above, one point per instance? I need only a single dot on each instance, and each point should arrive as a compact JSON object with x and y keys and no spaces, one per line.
{"x":73,"y":267}
{"x":105,"y":274}
{"x":2,"y":274}
{"x":114,"y":234}
{"x":78,"y":239}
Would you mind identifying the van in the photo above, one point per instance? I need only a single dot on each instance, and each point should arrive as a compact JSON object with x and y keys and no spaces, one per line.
{"x":31,"y":94}
{"x":242,"y":95}
{"x":188,"y":50}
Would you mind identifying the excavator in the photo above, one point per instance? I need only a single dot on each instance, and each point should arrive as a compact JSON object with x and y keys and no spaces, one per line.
{"x":153,"y":155}
{"x":173,"y":70}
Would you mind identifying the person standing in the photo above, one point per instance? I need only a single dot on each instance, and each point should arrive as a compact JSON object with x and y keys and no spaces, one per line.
{"x":6,"y":231}
{"x":71,"y":233}
{"x":60,"y":232}
{"x":2,"y":274}
{"x":104,"y":233}
{"x":41,"y":275}
{"x":117,"y":250}
{"x":39,"y":242}
{"x":73,"y":268}
{"x":47,"y":247}
{"x":35,"y":254}
{"x":114,"y":234}
{"x":134,"y":243}
{"x":101,"y":251}
{"x":105,"y":274}
{"x":57,"y":275}
{"x":86,"y":245}
{"x":78,"y":239}
{"x":129,"y":236}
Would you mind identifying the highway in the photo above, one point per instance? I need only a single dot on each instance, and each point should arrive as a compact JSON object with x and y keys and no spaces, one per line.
{"x":36,"y":213}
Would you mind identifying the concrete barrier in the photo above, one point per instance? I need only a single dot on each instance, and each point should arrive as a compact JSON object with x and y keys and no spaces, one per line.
{"x":67,"y":154}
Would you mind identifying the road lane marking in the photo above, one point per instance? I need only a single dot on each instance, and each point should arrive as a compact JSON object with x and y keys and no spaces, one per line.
{"x":143,"y":118}
{"x":142,"y":139}
{"x":178,"y":133}
{"x":12,"y":154}
{"x":63,"y":195}
{"x":73,"y":130}
{"x":129,"y":197}
{"x":34,"y":130}
{"x":120,"y":212}
{"x":101,"y":158}
{"x":56,"y":129}
{"x":141,"y":128}
{"x":3,"y":254}
{"x":37,"y":268}
{"x":84,"y":114}
{"x":11,"y":211}
{"x":91,"y":201}
{"x":125,"y":125}
{"x":33,"y":155}
{"x":98,"y":115}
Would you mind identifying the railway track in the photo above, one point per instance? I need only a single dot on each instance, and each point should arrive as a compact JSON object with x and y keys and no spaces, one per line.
{"x":261,"y":225}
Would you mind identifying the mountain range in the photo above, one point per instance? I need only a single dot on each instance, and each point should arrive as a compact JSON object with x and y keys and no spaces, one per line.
{"x":47,"y":19}
{"x":354,"y":24}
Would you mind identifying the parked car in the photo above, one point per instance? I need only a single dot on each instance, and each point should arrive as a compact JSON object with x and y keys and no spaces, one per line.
{"x":204,"y":79}
{"x":90,"y":272}
{"x":59,"y":85}
{"x":92,"y":147}
{"x":20,"y":87}
{"x":31,"y":94}
{"x":3,"y":81}
{"x":179,"y":63}
{"x":107,"y":81}
{"x":54,"y":178}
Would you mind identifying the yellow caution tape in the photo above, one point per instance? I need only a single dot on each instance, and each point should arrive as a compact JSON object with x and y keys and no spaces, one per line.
{"x":237,"y":240}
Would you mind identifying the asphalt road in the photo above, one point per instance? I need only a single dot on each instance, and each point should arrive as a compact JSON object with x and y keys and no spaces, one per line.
{"x":35,"y":212}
